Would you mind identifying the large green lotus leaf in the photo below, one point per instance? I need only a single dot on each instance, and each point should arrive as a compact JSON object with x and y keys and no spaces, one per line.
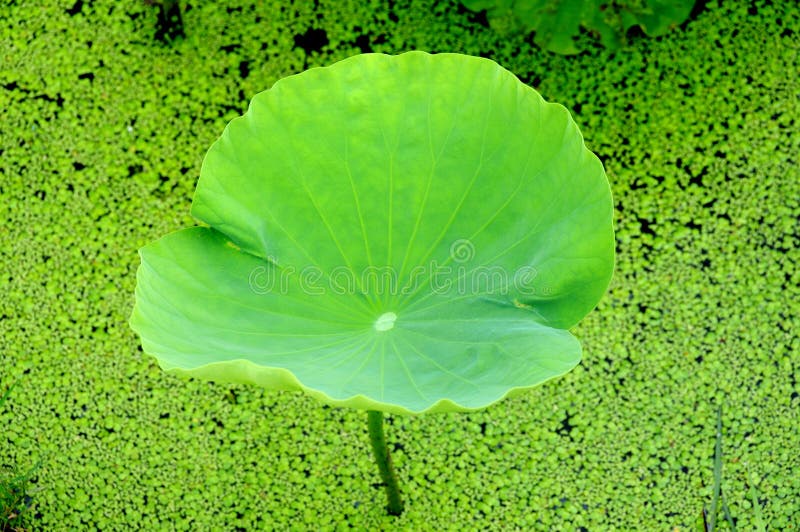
{"x":408,"y":233}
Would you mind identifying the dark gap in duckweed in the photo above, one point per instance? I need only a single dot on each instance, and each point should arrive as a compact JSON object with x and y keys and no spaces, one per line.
{"x":566,"y":426}
{"x":76,"y":8}
{"x":169,"y":24}
{"x":244,"y":69}
{"x":694,"y":226}
{"x":58,"y":99}
{"x":645,"y":226}
{"x":635,"y":32}
{"x":230,"y":48}
{"x":697,"y":9}
{"x":362,"y":43}
{"x":313,"y":40}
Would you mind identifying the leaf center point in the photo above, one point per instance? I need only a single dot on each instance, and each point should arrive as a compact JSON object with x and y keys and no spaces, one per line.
{"x":385,"y":321}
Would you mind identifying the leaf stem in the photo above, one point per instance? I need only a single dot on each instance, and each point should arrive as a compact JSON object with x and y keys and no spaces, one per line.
{"x":384,"y":460}
{"x":717,"y":472}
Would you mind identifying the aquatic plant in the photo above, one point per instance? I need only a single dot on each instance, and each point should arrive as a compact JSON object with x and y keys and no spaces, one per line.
{"x":557,"y":23}
{"x":404,"y":234}
{"x":15,"y":501}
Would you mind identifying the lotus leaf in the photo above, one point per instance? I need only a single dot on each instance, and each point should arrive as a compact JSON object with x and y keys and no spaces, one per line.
{"x":408,"y":234}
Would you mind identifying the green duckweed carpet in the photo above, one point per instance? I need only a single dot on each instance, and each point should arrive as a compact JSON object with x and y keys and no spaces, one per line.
{"x":102,"y":133}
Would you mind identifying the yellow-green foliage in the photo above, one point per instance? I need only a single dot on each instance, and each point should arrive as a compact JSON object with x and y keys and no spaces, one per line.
{"x":102,"y":133}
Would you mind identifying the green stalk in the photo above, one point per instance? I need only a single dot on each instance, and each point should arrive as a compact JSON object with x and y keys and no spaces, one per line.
{"x":717,"y":472}
{"x":384,"y":461}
